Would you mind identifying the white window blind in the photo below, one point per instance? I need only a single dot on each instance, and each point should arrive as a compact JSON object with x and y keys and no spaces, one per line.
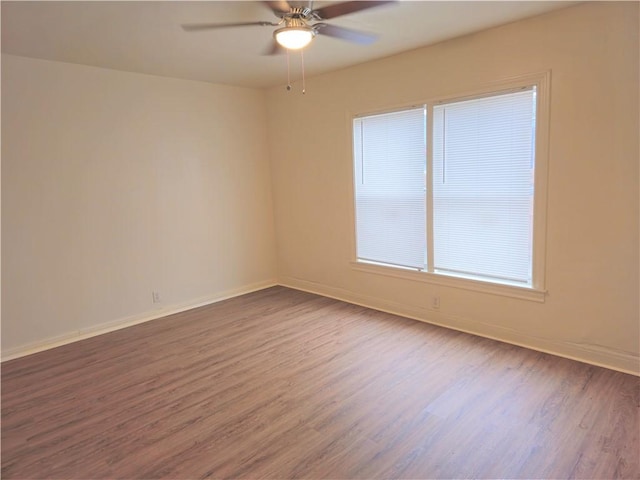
{"x":483,"y":164}
{"x":390,"y":162}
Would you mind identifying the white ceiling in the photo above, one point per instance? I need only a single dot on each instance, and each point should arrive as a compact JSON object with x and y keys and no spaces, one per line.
{"x":146,"y":36}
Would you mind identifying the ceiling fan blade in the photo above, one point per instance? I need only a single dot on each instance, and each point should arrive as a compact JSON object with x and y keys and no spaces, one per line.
{"x":278,"y":7}
{"x":339,"y":9}
{"x":274,"y":49}
{"x":194,"y":27}
{"x":355,"y":36}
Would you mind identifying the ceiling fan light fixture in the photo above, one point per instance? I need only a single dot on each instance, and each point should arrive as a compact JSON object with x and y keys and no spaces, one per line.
{"x":294,"y":38}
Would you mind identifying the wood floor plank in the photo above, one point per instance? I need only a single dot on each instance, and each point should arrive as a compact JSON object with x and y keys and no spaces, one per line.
{"x":285,"y":384}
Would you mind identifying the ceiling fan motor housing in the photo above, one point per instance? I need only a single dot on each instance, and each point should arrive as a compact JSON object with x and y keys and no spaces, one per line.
{"x":304,"y":13}
{"x":295,"y":22}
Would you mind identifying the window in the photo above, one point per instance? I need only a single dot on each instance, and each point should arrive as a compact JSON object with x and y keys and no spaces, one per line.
{"x":390,"y":188}
{"x":458,"y":198}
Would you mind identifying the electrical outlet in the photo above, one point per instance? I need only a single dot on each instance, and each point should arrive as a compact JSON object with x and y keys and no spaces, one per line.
{"x":435,"y":302}
{"x":155,"y":296}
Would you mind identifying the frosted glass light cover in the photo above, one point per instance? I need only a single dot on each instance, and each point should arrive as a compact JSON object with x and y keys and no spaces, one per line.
{"x":294,"y":38}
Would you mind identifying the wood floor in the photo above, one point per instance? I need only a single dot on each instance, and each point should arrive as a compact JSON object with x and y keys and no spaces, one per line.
{"x":284,"y":384}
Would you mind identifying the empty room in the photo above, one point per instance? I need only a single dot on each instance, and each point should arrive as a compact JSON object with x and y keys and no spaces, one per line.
{"x":309,"y":240}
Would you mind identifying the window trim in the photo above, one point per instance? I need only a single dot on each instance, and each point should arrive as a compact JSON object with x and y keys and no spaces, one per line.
{"x":535,"y":292}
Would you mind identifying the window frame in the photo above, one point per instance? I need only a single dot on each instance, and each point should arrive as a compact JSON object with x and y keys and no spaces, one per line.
{"x":537,"y":290}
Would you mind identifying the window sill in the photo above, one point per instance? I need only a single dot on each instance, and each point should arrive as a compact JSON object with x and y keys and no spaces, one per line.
{"x":513,"y":291}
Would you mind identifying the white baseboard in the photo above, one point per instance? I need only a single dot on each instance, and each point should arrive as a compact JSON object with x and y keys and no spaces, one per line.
{"x":591,"y":354}
{"x":77,"y":335}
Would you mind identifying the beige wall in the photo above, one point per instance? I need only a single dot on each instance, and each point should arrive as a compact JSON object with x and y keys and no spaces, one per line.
{"x":591,"y":310}
{"x":117,"y":184}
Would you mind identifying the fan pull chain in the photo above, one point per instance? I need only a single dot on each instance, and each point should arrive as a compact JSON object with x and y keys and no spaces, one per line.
{"x":289,"y":87}
{"x":288,"y":73}
{"x":304,"y":90}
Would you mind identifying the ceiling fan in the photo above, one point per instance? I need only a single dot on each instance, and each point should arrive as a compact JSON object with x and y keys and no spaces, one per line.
{"x":296,"y":30}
